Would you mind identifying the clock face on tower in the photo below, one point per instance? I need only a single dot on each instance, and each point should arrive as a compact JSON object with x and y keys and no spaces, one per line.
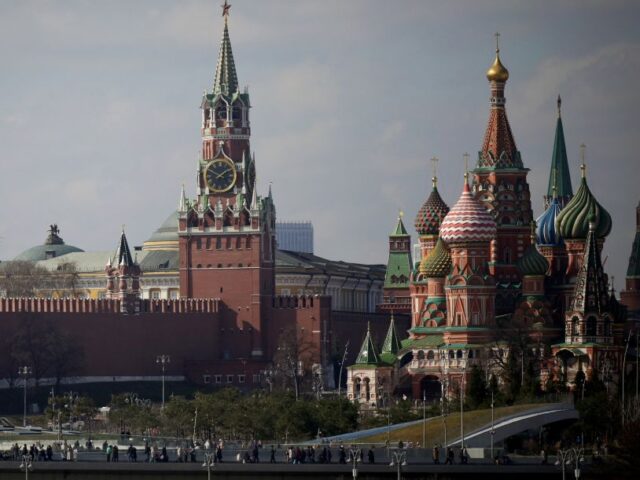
{"x":220,"y":175}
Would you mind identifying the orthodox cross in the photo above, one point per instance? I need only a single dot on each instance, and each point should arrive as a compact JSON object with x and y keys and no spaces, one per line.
{"x":583,"y":166}
{"x":497,"y":35}
{"x":465,"y":156}
{"x":434,"y":163}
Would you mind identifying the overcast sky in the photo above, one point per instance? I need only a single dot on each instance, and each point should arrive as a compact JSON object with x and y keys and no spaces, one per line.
{"x":99,"y":109}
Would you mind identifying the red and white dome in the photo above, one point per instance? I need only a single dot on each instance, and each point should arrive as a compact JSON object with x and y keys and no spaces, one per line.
{"x":468,"y":221}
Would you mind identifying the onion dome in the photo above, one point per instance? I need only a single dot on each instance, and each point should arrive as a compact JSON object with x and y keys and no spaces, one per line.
{"x":546,"y":233}
{"x":431,"y":213}
{"x":573,"y":220}
{"x":438,"y":263}
{"x":532,"y":262}
{"x":497,"y":72}
{"x":468,"y":221}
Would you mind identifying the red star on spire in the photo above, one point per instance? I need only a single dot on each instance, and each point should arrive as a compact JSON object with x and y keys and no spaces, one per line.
{"x":225,"y":9}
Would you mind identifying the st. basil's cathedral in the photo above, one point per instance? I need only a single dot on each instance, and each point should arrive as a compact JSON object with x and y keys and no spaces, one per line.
{"x":493,"y":282}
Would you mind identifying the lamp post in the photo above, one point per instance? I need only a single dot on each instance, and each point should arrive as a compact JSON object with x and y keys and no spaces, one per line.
{"x":163,"y":361}
{"x":624,"y":371}
{"x":578,"y":458}
{"x":424,"y":419}
{"x":25,"y":372}
{"x":443,"y":411}
{"x":462,"y":408}
{"x":355,"y":458}
{"x":209,"y":461}
{"x":26,"y":465}
{"x":493,"y":431}
{"x":399,"y":460}
{"x":344,"y":359}
{"x":564,"y":457}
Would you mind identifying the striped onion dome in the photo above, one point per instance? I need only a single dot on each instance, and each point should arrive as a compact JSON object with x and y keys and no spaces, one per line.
{"x":432,"y":213}
{"x":468,"y":221}
{"x":532,"y":262}
{"x":438,"y":263}
{"x":573,"y":220}
{"x":546,"y":233}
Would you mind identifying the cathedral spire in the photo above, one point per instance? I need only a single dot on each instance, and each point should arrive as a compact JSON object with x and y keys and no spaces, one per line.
{"x":560,"y":176}
{"x":226,"y":79}
{"x":498,"y":148}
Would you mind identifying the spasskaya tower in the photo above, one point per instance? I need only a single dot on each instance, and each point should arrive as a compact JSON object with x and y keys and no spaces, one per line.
{"x":227,"y":233}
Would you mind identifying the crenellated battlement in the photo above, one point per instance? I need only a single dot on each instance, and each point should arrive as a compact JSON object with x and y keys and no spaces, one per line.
{"x":103,"y":305}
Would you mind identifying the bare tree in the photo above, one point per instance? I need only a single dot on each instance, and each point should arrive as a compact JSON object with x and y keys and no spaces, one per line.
{"x":19,"y":278}
{"x":292,"y":359}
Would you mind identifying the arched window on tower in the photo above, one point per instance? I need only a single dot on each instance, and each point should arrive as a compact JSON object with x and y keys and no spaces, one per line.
{"x":591,"y":326}
{"x":237,"y":115}
{"x":506,"y":255}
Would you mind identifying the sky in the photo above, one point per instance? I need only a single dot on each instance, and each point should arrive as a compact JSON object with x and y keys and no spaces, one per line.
{"x":99,"y":109}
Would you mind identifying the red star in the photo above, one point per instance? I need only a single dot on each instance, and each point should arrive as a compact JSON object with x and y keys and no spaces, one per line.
{"x":225,"y":9}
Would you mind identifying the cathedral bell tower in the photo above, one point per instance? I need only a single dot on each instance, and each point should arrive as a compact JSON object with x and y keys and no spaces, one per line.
{"x":500,"y":183}
{"x":227,"y":233}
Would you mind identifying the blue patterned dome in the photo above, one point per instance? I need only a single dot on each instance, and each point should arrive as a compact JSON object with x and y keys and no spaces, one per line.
{"x":546,"y":233}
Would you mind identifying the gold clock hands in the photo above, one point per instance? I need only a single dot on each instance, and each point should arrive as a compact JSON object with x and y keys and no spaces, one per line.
{"x":223,"y":173}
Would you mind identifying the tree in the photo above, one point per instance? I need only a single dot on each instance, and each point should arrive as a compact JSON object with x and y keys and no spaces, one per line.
{"x":477,"y":387}
{"x":292,"y":359}
{"x":20,"y":278}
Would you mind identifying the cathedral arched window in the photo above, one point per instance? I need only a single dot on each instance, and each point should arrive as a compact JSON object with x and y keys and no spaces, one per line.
{"x":421,"y":355}
{"x":221,"y":111}
{"x":236,"y":114}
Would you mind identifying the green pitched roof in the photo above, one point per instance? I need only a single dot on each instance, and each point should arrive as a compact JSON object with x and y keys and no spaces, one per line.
{"x":634,"y":260}
{"x":226,"y":79}
{"x":560,"y":174}
{"x":367,"y":354}
{"x":400,"y":230}
{"x":391,"y":341}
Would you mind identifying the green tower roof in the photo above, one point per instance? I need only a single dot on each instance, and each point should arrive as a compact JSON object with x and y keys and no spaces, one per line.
{"x":226,"y":79}
{"x":368,"y":354}
{"x":560,"y":176}
{"x":400,"y":230}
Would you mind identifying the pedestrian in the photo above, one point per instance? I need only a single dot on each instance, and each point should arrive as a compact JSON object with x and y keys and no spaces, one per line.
{"x":464,"y":457}
{"x":109,"y":452}
{"x":435,"y":454}
{"x":342,"y":455}
{"x":450,"y":456}
{"x":115,"y":453}
{"x":543,"y":455}
{"x":371,"y":456}
{"x":272,"y":458}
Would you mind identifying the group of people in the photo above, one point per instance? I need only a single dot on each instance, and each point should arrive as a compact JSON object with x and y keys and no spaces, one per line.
{"x":40,"y":453}
{"x":449,"y":458}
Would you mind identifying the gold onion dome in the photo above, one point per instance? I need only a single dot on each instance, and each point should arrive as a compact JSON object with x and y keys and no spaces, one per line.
{"x":573,"y":220}
{"x":497,"y":72}
{"x":438,"y":263}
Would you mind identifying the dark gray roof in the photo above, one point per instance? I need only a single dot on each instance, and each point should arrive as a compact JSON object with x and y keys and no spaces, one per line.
{"x":42,"y":252}
{"x":297,"y":261}
{"x":159,"y":260}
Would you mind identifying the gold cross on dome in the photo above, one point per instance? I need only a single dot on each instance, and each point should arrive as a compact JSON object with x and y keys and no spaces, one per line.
{"x":434,"y":163}
{"x":465,"y":156}
{"x":583,"y":166}
{"x":497,"y":35}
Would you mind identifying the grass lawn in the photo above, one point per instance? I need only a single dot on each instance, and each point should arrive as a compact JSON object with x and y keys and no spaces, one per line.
{"x":435,"y":426}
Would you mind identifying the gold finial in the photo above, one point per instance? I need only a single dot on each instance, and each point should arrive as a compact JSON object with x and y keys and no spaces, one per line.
{"x":465,"y":157}
{"x":533,"y":232}
{"x":400,"y":214}
{"x":559,"y":105}
{"x":225,"y":10}
{"x":497,"y":72}
{"x":583,"y":165}
{"x":554,"y":185}
{"x":123,"y":228}
{"x":434,"y":179}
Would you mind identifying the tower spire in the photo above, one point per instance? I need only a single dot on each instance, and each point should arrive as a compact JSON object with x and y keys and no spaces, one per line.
{"x":226,"y":79}
{"x":560,"y":176}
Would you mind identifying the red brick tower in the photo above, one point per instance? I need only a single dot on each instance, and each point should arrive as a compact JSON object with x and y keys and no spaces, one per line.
{"x":123,"y":278}
{"x":500,"y":183}
{"x":227,"y":234}
{"x":630,"y":296}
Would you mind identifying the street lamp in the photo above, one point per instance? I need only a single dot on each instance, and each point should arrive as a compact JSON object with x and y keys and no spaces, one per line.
{"x":26,"y":465}
{"x":209,"y":461}
{"x":566,"y":457}
{"x":399,"y":460}
{"x":344,"y":359}
{"x":163,"y":361}
{"x":443,"y":411}
{"x":424,"y":419}
{"x":25,"y":372}
{"x":493,"y":431}
{"x":355,"y":458}
{"x":464,"y":369}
